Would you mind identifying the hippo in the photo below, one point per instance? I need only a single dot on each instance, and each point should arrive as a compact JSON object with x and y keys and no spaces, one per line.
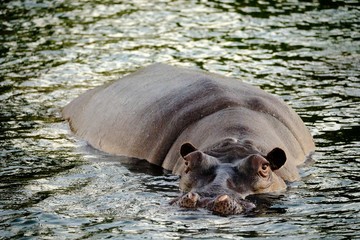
{"x":226,"y":139}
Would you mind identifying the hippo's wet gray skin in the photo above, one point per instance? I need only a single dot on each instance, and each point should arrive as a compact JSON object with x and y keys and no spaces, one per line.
{"x":225,"y":138}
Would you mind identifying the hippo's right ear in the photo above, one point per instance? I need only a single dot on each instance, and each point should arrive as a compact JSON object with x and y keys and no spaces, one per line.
{"x":187,"y":148}
{"x":277,"y":158}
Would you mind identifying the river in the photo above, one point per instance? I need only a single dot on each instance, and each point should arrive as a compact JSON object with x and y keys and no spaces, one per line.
{"x":54,"y":186}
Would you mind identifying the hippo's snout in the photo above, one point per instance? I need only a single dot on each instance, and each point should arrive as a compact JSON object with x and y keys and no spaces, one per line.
{"x":223,"y":205}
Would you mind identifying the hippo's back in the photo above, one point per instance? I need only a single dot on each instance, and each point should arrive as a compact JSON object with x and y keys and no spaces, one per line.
{"x":142,"y":114}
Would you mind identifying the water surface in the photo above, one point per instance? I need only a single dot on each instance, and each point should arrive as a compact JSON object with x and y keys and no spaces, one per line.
{"x":52,"y":185}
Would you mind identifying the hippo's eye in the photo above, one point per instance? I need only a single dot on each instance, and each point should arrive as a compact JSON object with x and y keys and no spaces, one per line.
{"x":264,"y":170}
{"x":265,"y":166}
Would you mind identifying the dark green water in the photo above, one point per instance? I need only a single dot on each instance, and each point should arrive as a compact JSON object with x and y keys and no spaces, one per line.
{"x":52,"y":186}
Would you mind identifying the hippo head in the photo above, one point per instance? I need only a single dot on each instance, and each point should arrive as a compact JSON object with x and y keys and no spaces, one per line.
{"x":220,"y":180}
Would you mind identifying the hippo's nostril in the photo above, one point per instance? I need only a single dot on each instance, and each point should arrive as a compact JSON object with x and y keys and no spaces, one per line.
{"x":193,"y":196}
{"x":228,"y":205}
{"x":224,"y":205}
{"x":189,"y":200}
{"x":221,"y":198}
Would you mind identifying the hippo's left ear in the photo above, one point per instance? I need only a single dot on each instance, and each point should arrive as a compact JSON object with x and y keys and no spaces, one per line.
{"x":277,"y":158}
{"x":187,"y":148}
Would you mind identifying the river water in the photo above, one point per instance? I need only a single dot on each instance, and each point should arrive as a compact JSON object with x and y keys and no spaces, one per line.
{"x":54,"y":186}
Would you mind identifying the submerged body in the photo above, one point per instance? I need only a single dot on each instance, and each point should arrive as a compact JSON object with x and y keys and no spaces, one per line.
{"x":247,"y":141}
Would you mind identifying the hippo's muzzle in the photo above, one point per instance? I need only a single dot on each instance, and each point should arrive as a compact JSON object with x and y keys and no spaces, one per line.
{"x":223,"y":205}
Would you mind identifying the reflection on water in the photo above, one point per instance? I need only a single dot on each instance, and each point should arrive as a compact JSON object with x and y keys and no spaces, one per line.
{"x":52,"y":185}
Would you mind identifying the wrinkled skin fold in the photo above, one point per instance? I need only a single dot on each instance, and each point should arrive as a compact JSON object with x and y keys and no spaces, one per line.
{"x":226,"y":139}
